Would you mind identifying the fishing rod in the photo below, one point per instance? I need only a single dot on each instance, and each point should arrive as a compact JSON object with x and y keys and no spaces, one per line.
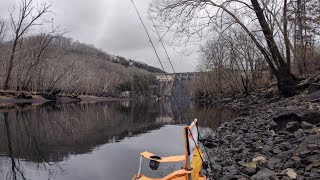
{"x":158,"y":57}
{"x":179,"y":106}
{"x":180,"y":109}
{"x":180,"y":87}
{"x":169,"y":59}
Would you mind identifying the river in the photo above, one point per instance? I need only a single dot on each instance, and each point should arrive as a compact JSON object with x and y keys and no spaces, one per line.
{"x":95,"y":140}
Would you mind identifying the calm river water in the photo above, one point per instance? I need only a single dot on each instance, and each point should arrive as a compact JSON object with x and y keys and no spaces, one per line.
{"x":93,"y":141}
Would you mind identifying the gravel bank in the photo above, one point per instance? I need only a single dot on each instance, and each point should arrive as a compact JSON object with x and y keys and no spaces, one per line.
{"x":273,"y":139}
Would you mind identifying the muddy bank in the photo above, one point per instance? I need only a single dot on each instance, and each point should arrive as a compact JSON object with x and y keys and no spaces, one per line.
{"x":11,"y":99}
{"x":274,"y":139}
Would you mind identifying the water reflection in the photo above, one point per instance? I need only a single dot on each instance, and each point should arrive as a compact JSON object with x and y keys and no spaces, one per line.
{"x":41,"y":140}
{"x":213,"y":116}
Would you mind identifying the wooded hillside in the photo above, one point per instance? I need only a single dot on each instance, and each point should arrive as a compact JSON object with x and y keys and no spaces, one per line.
{"x":46,"y":63}
{"x":36,"y":56}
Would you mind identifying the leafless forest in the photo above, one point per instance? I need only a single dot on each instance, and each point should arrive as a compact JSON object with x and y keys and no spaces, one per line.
{"x":36,"y":56}
{"x":250,"y":43}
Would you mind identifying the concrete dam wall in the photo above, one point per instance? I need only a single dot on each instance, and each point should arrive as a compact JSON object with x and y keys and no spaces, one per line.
{"x":177,"y":84}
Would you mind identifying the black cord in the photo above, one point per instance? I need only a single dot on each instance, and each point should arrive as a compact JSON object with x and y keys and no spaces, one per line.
{"x":180,"y":109}
{"x":179,"y":106}
{"x":169,"y":59}
{"x":199,"y":150}
{"x":205,"y":149}
{"x":188,"y":107}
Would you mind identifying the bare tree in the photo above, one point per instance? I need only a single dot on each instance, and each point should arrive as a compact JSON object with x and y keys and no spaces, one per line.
{"x":28,"y":16}
{"x":39,"y":54}
{"x":231,"y":64}
{"x":191,"y":18}
{"x":305,"y":16}
{"x":2,"y":30}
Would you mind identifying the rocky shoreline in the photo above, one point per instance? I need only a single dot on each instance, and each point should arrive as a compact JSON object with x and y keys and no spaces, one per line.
{"x":273,"y":139}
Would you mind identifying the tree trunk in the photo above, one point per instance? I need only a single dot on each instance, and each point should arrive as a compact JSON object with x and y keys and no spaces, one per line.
{"x":286,"y":80}
{"x":10,"y":66}
{"x":287,"y":83}
{"x":286,"y":33}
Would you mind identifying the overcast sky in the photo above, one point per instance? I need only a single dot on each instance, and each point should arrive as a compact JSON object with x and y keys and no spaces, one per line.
{"x":112,"y":25}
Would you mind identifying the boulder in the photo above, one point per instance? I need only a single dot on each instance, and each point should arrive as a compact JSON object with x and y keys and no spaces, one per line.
{"x":305,"y":153}
{"x":285,"y":146}
{"x":259,"y":159}
{"x":312,"y":117}
{"x":314,"y":96}
{"x":274,"y":163}
{"x":257,"y":145}
{"x":265,"y":174}
{"x":292,"y":126}
{"x":313,"y":165}
{"x":306,"y":125}
{"x":249,"y":170}
{"x":290,"y":173}
{"x":313,"y":87}
{"x":284,"y":119}
{"x":312,"y":176}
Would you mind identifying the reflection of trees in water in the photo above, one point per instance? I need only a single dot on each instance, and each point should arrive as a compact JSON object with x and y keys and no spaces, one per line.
{"x":48,"y":134}
{"x":15,"y":170}
{"x":51,"y":133}
{"x":213,"y":116}
{"x":208,"y":115}
{"x":141,"y":111}
{"x":156,"y":111}
{"x":165,"y":112}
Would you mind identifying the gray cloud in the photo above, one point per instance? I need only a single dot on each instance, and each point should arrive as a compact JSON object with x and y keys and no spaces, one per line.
{"x":112,"y":25}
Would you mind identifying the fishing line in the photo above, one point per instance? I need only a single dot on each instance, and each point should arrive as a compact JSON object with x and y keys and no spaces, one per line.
{"x":180,"y":109}
{"x":180,"y":87}
{"x":199,"y":150}
{"x":169,"y":59}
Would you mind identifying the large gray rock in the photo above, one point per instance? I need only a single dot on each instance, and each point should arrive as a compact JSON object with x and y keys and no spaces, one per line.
{"x":306,"y":125}
{"x":313,"y":87}
{"x":274,"y":163}
{"x":249,"y":170}
{"x":292,"y":126}
{"x":312,"y":176}
{"x":265,"y":174}
{"x":285,"y":146}
{"x":313,"y":165}
{"x":312,"y":117}
{"x":290,"y":173}
{"x":231,"y":169}
{"x":314,"y":96}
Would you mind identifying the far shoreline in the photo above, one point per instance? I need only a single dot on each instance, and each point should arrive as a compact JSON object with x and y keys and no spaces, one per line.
{"x":37,"y":100}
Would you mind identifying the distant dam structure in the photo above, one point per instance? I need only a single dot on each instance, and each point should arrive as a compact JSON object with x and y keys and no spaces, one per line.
{"x":173,"y":82}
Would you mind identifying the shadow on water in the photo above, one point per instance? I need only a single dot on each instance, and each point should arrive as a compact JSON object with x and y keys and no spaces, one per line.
{"x":44,"y":136}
